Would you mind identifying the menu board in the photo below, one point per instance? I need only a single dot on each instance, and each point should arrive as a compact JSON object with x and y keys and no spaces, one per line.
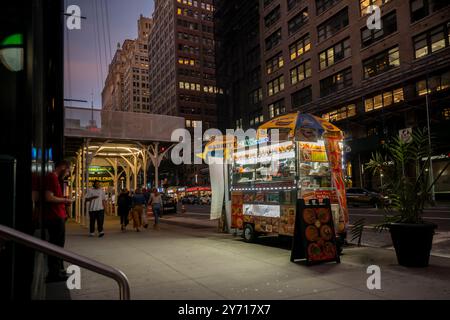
{"x":237,"y":213}
{"x":314,"y":235}
{"x":287,"y":220}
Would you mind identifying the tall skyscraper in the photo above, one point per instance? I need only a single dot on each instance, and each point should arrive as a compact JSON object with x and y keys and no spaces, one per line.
{"x":238,"y":63}
{"x":127,"y":83}
{"x":182,"y":60}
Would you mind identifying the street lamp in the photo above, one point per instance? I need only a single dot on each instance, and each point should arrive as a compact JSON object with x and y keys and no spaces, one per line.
{"x":427,"y":106}
{"x":430,"y":174}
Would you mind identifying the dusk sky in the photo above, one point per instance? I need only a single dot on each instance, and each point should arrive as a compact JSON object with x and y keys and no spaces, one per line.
{"x":88,"y":51}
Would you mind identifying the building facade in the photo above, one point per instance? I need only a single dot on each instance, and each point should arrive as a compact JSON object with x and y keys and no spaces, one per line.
{"x":319,"y":56}
{"x":182,"y":60}
{"x":238,"y":62}
{"x":182,"y":74}
{"x":127,"y":83}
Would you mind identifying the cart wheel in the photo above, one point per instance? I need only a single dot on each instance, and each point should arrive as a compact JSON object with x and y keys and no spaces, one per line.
{"x":249,"y":233}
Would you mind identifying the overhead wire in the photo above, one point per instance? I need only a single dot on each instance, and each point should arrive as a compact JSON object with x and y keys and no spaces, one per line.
{"x":103,"y":27}
{"x":108,"y":28}
{"x":97,"y":53}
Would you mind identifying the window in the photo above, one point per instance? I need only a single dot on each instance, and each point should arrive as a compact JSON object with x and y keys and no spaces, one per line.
{"x":256,"y":120}
{"x":432,"y":40}
{"x":291,"y":4}
{"x":272,"y":17}
{"x":341,"y":113}
{"x":277,"y":108}
{"x":273,"y":40}
{"x":275,"y":86}
{"x":256,"y":96}
{"x":446,"y":114}
{"x":301,"y":97}
{"x":333,"y":25}
{"x":364,"y":4}
{"x":335,"y":53}
{"x":382,"y":62}
{"x":300,"y":47}
{"x":275,"y":63}
{"x":267,"y":2}
{"x":338,"y":81}
{"x":434,"y":83}
{"x":384,"y":99}
{"x":301,"y":72}
{"x":322,"y":5}
{"x":298,"y":21}
{"x":254,"y":77}
{"x":422,"y":8}
{"x":389,"y":25}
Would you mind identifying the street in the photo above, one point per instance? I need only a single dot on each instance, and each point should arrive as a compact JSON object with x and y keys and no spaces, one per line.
{"x":440,"y":215}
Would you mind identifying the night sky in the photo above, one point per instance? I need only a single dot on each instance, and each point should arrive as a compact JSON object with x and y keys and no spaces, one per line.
{"x":88,"y":51}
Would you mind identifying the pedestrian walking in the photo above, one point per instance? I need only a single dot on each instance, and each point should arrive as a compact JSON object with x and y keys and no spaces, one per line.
{"x":96,"y":200}
{"x":156,"y":203}
{"x":123,"y":208}
{"x":138,"y":204}
{"x":55,"y":217}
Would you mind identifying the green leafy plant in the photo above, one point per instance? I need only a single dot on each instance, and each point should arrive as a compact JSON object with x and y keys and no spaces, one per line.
{"x":406,"y":177}
{"x":357,"y":230}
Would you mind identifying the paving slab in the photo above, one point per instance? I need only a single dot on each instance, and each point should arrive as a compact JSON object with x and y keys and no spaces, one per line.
{"x":178,"y":262}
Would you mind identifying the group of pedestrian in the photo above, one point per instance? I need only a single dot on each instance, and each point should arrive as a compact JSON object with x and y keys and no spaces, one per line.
{"x":133,"y":206}
{"x":130,"y":206}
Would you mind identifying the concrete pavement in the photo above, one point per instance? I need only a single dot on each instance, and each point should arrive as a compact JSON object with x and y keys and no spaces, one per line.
{"x":180,"y":262}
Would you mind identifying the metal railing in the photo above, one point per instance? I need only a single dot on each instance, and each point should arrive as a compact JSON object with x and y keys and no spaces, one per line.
{"x":50,"y":249}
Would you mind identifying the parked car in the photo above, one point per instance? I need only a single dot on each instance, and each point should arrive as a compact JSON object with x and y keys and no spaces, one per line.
{"x":205,"y":200}
{"x":361,"y":196}
{"x":190,"y":200}
{"x":169,"y":204}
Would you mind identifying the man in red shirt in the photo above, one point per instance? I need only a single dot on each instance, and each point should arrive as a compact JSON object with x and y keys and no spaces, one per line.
{"x":55,"y":217}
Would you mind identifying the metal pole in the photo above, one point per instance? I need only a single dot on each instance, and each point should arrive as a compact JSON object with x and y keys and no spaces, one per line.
{"x":156,"y":155}
{"x":80,"y":261}
{"x":431,"y":178}
{"x":83,"y":203}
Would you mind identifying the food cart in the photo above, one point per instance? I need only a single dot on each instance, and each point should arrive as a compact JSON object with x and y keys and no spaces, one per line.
{"x":267,"y":177}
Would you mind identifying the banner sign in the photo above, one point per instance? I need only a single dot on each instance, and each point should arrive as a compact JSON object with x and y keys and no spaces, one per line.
{"x":334,"y":153}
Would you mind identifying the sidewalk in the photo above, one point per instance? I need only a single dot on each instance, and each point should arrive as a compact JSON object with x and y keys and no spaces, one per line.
{"x":184,"y":263}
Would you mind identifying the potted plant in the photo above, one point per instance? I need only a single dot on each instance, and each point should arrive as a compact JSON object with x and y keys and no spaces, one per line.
{"x":404,"y":166}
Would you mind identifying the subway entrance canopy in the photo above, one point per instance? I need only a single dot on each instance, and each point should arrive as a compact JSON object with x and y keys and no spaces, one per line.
{"x":124,"y":142}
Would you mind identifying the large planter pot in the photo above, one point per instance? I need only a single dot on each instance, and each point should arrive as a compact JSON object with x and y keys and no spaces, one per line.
{"x":412,"y":243}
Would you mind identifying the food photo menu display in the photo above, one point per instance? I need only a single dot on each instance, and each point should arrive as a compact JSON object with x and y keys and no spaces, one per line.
{"x":314,"y":236}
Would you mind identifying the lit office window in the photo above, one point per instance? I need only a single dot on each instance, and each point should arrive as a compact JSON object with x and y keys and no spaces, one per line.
{"x":301,"y":72}
{"x":381,"y":62}
{"x":277,"y":108}
{"x":336,"y":82}
{"x":275,"y":86}
{"x":335,"y":53}
{"x":384,"y":100}
{"x":389,"y":26}
{"x":341,"y":113}
{"x":300,"y":47}
{"x":432,"y":40}
{"x":433,"y":83}
{"x":275,"y":63}
{"x":364,"y":4}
